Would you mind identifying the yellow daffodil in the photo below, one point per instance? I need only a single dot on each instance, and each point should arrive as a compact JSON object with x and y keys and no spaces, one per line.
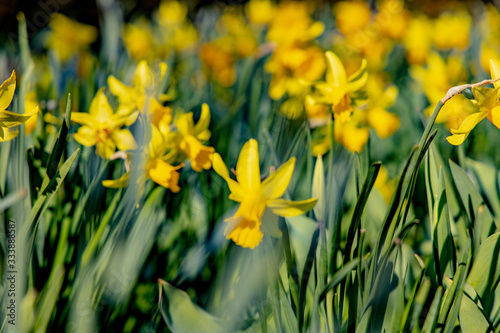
{"x":10,"y":119}
{"x":351,"y":16}
{"x":138,"y":40}
{"x":294,"y":69}
{"x":246,"y":227}
{"x":339,"y":91}
{"x":219,"y":62}
{"x":176,"y":29}
{"x":102,"y":128}
{"x":172,"y":13}
{"x":486,"y":101}
{"x":452,"y":30}
{"x":392,"y":18}
{"x":142,"y":96}
{"x":384,"y":184}
{"x":189,"y":138}
{"x":260,"y":11}
{"x":292,"y":24}
{"x":69,"y":37}
{"x":156,"y":165}
{"x":418,"y":40}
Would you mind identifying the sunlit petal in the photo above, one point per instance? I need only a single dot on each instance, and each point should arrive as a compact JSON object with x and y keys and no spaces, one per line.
{"x":275,"y":185}
{"x":288,"y":208}
{"x":7,"y":91}
{"x":248,"y":168}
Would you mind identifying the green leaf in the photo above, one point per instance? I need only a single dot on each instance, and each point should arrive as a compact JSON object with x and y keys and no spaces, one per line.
{"x":48,"y":298}
{"x":11,"y":199}
{"x":60,"y":144}
{"x":431,"y":319}
{"x":181,"y":315}
{"x":471,"y":318}
{"x":485,"y":273}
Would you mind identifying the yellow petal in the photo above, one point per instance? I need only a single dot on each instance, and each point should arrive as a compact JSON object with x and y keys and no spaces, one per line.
{"x":11,"y":119}
{"x":7,"y":91}
{"x":204,"y":121}
{"x":100,"y":109}
{"x":288,"y":208}
{"x":199,"y":155}
{"x":106,"y":148}
{"x":164,"y":174}
{"x":220,"y":168}
{"x":358,"y":80}
{"x":495,"y":71}
{"x":142,"y":76}
{"x":7,"y":135}
{"x":465,"y":128}
{"x":85,"y":136}
{"x":494,"y":116}
{"x":245,"y":233}
{"x":335,"y":74}
{"x":383,"y":122}
{"x":247,"y":168}
{"x":117,"y":183}
{"x":124,"y":139}
{"x":275,"y":185}
{"x":119,"y":89}
{"x":83,"y":118}
{"x":185,"y":123}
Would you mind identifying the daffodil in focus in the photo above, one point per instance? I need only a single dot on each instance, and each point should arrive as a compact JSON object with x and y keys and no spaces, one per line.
{"x":10,"y":119}
{"x":69,"y":37}
{"x":247,"y":227}
{"x":340,"y":91}
{"x":156,"y":165}
{"x":486,"y":101}
{"x":103,"y":128}
{"x":189,"y":138}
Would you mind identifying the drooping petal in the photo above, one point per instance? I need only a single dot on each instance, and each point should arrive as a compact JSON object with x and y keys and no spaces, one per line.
{"x":117,"y":183}
{"x":275,"y":185}
{"x":124,"y":139}
{"x":100,"y":108}
{"x":11,"y":119}
{"x":106,"y":148}
{"x":204,"y":120}
{"x":7,"y":91}
{"x":199,"y":155}
{"x":164,"y":174}
{"x":288,"y":208}
{"x":335,"y":74}
{"x":460,"y":134}
{"x":495,"y":71}
{"x":220,"y":168}
{"x":248,"y":168}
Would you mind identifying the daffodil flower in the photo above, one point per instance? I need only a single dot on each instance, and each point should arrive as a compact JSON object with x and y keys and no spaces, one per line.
{"x":140,"y":96}
{"x":189,"y":138}
{"x":10,"y":119}
{"x":256,"y":197}
{"x":487,"y":104}
{"x":339,"y":91}
{"x":156,"y":165}
{"x":103,"y":128}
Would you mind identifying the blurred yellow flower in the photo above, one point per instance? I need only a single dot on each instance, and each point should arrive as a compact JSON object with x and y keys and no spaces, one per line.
{"x":260,"y":11}
{"x":156,"y":165}
{"x":294,"y":69}
{"x":385,"y":185}
{"x":189,"y":139}
{"x":452,"y":30}
{"x":292,"y":24}
{"x":246,"y":227}
{"x":172,"y":13}
{"x":29,"y":105}
{"x":392,"y":18}
{"x":102,"y":128}
{"x":418,"y":40}
{"x":144,"y":94}
{"x":10,"y":119}
{"x":351,"y":16}
{"x":138,"y":40}
{"x":69,"y":37}
{"x":338,"y":90}
{"x":219,"y":62}
{"x":490,"y":44}
{"x":487,"y":105}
